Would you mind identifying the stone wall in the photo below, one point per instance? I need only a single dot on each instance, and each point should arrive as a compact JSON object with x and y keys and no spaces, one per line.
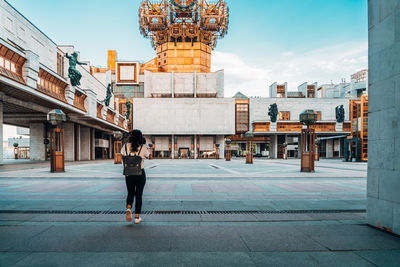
{"x":1,"y":132}
{"x":384,"y":114}
{"x":165,"y":116}
{"x":259,"y":107}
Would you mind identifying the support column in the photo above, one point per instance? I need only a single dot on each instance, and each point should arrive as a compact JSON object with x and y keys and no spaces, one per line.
{"x":221,"y":142}
{"x":77,"y":142}
{"x":274,"y":147}
{"x":1,"y":132}
{"x":329,"y":148}
{"x":110,"y":147}
{"x":37,"y":148}
{"x":85,"y":143}
{"x":92,"y":144}
{"x":195,"y":147}
{"x":173,"y":147}
{"x":69,"y":141}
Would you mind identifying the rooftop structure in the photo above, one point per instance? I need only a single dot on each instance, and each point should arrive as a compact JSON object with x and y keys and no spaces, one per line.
{"x":183,"y":32}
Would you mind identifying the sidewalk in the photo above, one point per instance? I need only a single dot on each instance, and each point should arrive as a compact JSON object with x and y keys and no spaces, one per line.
{"x":196,"y":213}
{"x":23,"y":164}
{"x":192,"y":244}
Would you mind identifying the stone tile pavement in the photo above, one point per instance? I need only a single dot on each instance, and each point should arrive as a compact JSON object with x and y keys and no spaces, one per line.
{"x":198,"y":213}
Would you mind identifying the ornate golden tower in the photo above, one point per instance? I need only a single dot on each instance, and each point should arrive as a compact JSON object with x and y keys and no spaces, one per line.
{"x":183,"y":32}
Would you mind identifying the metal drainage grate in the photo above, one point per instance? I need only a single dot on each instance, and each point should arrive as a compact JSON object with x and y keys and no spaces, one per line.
{"x":178,"y":212}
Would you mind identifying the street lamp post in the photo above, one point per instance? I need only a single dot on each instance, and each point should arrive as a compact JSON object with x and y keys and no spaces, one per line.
{"x":228,"y":149}
{"x":308,"y":117}
{"x":55,"y":117}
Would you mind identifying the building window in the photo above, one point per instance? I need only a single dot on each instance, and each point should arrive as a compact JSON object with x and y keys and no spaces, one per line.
{"x":8,"y":65}
{"x":242,"y":118}
{"x":50,"y":85}
{"x":284,"y":115}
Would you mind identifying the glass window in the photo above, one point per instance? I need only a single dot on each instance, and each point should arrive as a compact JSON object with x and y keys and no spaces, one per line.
{"x":7,"y":64}
{"x":1,"y":62}
{"x":284,"y":115}
{"x":242,"y":117}
{"x":13,"y":67}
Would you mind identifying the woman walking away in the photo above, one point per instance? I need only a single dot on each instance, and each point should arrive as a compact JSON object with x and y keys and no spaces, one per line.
{"x":136,"y":146}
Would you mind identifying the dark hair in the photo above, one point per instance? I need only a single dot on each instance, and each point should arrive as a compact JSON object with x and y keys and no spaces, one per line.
{"x":136,"y":139}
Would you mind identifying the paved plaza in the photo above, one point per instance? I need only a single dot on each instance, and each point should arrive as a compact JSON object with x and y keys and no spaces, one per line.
{"x":196,"y":213}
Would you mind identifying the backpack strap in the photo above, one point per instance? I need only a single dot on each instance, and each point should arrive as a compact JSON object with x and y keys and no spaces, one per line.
{"x":140,"y":150}
{"x":126,"y":149}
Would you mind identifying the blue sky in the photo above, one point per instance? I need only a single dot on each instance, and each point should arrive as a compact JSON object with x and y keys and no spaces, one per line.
{"x":268,"y":40}
{"x":292,"y":41}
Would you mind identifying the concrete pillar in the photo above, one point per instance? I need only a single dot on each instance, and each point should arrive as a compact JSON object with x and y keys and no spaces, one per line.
{"x":85,"y":143}
{"x":274,"y":147}
{"x":173,"y":147}
{"x":1,"y":132}
{"x":383,"y":205}
{"x":110,"y":147}
{"x":78,"y":141}
{"x":69,"y":141}
{"x":195,"y":147}
{"x":221,"y":142}
{"x":37,"y":148}
{"x":93,"y":146}
{"x":329,"y":148}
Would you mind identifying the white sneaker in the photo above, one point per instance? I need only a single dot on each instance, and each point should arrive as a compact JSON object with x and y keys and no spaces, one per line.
{"x":138,"y":220}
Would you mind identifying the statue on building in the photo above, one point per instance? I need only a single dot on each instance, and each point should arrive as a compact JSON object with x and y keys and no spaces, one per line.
{"x":340,"y":114}
{"x":108,"y":96}
{"x":128,"y":110}
{"x":273,"y":112}
{"x":73,"y":73}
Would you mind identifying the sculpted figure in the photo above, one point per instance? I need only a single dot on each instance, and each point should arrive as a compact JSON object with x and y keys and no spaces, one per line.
{"x":273,"y":112}
{"x":73,"y":73}
{"x":108,"y":96}
{"x":340,"y":114}
{"x":128,"y":112}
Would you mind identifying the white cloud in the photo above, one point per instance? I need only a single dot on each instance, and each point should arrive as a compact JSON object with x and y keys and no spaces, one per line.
{"x":288,"y":54}
{"x":321,"y":65}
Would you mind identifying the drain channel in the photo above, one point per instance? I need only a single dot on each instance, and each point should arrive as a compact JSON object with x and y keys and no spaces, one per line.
{"x":178,"y":212}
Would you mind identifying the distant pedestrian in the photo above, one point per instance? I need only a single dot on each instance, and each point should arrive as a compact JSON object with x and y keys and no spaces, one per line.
{"x":136,"y":146}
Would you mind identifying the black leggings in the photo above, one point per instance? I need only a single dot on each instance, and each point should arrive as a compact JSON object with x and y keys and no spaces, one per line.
{"x":135,"y":185}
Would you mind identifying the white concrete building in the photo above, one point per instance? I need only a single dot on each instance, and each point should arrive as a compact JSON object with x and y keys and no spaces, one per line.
{"x":34,"y":79}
